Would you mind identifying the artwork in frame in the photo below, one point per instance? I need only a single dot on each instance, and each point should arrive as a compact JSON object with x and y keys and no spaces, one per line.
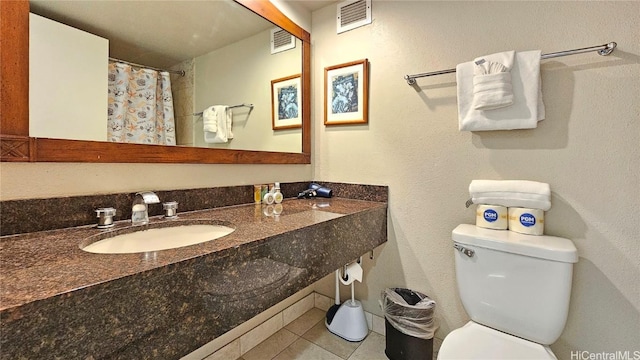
{"x":286,"y":102}
{"x":346,"y":93}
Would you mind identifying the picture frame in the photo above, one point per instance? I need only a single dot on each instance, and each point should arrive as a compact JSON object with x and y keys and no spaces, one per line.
{"x":346,"y":93}
{"x":286,"y":102}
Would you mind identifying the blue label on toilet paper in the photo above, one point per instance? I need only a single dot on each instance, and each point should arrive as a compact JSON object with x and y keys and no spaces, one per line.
{"x":490,"y":215}
{"x":527,"y":220}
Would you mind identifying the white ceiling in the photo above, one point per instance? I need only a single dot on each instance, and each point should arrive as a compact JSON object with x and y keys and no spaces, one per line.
{"x":158,"y":33}
{"x":311,"y":5}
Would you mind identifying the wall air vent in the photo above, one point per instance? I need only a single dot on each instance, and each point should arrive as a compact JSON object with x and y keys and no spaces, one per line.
{"x":281,"y":40}
{"x":352,"y":14}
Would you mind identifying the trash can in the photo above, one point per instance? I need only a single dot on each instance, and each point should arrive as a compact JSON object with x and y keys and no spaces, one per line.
{"x":409,"y":324}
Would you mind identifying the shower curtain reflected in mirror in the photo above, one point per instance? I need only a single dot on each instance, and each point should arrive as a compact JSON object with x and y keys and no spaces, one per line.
{"x":140,"y":106}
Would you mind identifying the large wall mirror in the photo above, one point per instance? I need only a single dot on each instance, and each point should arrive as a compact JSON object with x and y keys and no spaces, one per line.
{"x":225,"y":49}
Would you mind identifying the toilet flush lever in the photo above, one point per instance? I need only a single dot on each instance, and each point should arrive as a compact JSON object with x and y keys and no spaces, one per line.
{"x":464,"y":250}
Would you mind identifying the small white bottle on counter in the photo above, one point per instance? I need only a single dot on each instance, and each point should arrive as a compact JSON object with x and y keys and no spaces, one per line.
{"x":277,"y":195}
{"x":268,"y":198}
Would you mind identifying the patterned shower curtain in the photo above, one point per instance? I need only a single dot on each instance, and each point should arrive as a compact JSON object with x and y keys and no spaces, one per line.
{"x":140,"y":106}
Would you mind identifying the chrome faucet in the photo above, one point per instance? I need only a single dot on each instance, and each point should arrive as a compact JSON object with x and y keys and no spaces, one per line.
{"x":139,"y":209}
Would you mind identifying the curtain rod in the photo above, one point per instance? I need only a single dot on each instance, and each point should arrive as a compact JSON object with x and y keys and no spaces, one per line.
{"x":603,"y":50}
{"x":179,"y":72}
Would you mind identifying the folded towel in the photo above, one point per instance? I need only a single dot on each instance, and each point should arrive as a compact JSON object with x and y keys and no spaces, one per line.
{"x":217,"y":124}
{"x":210,"y":119}
{"x":511,"y":193}
{"x":492,"y":91}
{"x":492,"y":81}
{"x":229,"y":124}
{"x":527,"y":108}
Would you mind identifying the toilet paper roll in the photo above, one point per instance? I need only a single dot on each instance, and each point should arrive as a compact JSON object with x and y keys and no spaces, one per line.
{"x":526,"y":221}
{"x":354,"y":272}
{"x":492,"y":217}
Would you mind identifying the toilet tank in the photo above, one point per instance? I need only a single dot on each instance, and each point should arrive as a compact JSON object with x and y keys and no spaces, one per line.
{"x":519,"y":284}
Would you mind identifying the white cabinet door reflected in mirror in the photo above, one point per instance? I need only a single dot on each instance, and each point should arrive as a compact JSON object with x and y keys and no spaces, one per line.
{"x":61,"y":57}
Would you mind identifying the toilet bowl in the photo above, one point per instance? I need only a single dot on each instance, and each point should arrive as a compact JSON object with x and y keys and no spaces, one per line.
{"x":516,"y":290}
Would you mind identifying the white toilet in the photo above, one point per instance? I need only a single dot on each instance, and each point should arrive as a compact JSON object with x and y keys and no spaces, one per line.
{"x":516,"y":290}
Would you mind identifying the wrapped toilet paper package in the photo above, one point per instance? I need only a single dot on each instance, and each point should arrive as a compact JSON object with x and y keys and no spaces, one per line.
{"x":492,"y":217}
{"x":526,"y":221}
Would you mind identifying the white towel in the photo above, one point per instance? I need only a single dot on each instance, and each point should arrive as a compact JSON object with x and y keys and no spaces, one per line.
{"x":527,"y":108}
{"x":229,"y":123}
{"x":210,"y":119}
{"x":492,"y":87}
{"x":492,"y":91}
{"x":511,"y":193}
{"x":217,"y":124}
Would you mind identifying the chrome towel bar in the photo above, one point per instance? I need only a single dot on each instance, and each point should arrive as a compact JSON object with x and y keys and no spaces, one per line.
{"x":603,"y":50}
{"x":250,"y":106}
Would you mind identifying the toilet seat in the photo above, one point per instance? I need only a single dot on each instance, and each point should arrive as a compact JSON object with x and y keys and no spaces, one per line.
{"x":475,"y":341}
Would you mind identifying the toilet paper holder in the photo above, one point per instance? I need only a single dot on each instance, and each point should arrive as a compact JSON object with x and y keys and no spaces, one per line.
{"x":344,"y":275}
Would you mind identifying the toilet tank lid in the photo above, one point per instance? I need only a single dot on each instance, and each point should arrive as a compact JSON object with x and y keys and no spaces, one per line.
{"x":539,"y":246}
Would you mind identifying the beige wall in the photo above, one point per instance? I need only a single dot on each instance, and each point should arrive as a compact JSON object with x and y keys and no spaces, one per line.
{"x":587,"y":149}
{"x":47,"y":180}
{"x":242,"y":73}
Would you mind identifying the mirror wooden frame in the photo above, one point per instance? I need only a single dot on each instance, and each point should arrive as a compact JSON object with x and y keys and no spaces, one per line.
{"x":17,"y":146}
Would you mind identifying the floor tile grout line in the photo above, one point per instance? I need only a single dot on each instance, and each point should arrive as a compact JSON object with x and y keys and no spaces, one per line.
{"x":301,"y":336}
{"x":320,"y":346}
{"x":298,"y":337}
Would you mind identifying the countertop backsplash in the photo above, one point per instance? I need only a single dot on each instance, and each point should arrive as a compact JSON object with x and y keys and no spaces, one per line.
{"x":31,"y":215}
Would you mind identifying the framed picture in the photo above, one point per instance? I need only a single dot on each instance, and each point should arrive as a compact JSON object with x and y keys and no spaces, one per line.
{"x":346,"y":93}
{"x":286,"y":104}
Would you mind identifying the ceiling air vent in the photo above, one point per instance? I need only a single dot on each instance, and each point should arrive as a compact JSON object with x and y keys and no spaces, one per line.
{"x":353,"y":14}
{"x":281,"y":40}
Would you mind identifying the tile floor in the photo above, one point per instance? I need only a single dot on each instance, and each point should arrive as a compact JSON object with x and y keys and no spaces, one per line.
{"x":307,"y":338}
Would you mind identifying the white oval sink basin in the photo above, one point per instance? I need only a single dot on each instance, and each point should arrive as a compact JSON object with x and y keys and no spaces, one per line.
{"x":158,"y":239}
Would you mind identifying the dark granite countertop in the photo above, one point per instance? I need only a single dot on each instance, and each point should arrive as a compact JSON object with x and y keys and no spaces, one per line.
{"x":41,"y":265}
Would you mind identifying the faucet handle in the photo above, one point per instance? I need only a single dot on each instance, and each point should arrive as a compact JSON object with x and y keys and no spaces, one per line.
{"x":149,"y":197}
{"x":170,"y":209}
{"x":105,"y":217}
